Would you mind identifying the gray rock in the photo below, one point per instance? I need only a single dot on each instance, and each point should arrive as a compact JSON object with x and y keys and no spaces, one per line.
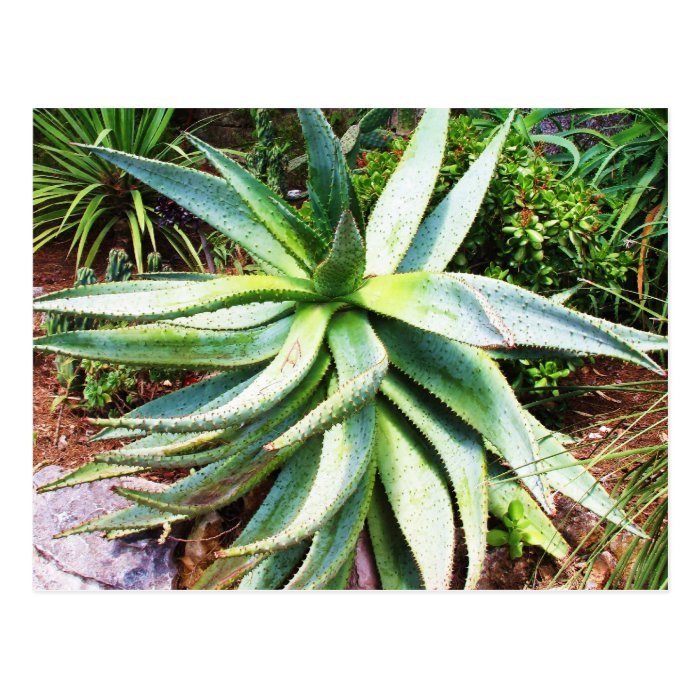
{"x":364,"y":575}
{"x":37,"y":292}
{"x":88,"y":561}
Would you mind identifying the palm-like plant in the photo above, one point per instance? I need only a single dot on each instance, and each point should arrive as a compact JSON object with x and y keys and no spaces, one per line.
{"x":354,"y":367}
{"x":81,"y":196}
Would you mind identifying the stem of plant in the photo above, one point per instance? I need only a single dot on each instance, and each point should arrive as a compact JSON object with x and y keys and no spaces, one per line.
{"x":207,"y":252}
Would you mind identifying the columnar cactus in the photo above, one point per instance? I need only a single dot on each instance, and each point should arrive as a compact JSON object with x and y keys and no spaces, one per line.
{"x":85,"y":276}
{"x":119,"y":267}
{"x":267,"y":161}
{"x":354,"y":368}
{"x":154,"y":262}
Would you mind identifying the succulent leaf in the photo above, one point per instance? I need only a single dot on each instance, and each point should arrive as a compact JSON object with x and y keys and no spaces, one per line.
{"x":398,"y":212}
{"x":335,"y":542}
{"x":291,"y":232}
{"x":470,"y":383}
{"x":329,"y":179}
{"x":341,"y":272}
{"x":159,"y":345}
{"x":236,"y":317}
{"x":536,"y":321}
{"x":180,"y":299}
{"x":435,"y":302}
{"x":274,"y":569}
{"x":396,"y":565}
{"x":442,"y":232}
{"x":213,"y":200}
{"x":418,"y":495}
{"x":177,"y":276}
{"x":461,"y":451}
{"x":92,"y":471}
{"x":340,"y":581}
{"x":130,"y":287}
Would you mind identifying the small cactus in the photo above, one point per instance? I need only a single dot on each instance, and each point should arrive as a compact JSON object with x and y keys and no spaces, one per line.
{"x":60,"y":323}
{"x":154,"y":262}
{"x":119,"y":267}
{"x":84,"y":276}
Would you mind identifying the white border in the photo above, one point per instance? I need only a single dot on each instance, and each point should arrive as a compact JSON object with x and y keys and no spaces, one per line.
{"x":314,"y":53}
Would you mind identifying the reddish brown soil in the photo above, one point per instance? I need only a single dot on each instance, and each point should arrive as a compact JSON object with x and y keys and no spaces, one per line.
{"x":61,"y":436}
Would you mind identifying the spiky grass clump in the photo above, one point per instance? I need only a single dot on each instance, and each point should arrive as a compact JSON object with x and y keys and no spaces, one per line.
{"x":354,"y":367}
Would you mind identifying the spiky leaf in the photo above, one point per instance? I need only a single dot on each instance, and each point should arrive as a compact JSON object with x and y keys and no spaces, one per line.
{"x":335,"y":542}
{"x":181,"y":299}
{"x":396,"y":565}
{"x":163,"y":346}
{"x":418,"y":495}
{"x":536,"y":321}
{"x":470,"y":383}
{"x":211,"y":199}
{"x":341,"y":272}
{"x":329,"y":180}
{"x":290,"y":231}
{"x":462,"y":453}
{"x":445,"y":228}
{"x":398,"y":212}
{"x":439,"y":303}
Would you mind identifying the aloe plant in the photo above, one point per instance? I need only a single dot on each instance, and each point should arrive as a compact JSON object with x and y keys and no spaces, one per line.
{"x":353,"y":368}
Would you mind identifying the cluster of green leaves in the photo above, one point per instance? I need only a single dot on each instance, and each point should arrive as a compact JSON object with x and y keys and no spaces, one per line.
{"x":355,"y":367}
{"x":519,"y":532}
{"x":627,"y":161}
{"x":84,"y":199}
{"x":104,"y":385}
{"x":544,"y":374}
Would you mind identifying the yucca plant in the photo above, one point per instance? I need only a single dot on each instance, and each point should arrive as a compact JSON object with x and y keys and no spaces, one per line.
{"x":353,"y":367}
{"x":85,"y":198}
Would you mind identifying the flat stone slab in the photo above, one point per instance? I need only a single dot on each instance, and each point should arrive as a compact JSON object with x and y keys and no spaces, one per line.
{"x":88,"y":561}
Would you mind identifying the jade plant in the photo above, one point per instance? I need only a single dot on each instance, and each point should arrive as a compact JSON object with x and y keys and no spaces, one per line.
{"x":352,"y":371}
{"x":519,"y":531}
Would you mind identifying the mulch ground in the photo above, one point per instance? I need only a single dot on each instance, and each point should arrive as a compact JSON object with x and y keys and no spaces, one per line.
{"x":62,"y":436}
